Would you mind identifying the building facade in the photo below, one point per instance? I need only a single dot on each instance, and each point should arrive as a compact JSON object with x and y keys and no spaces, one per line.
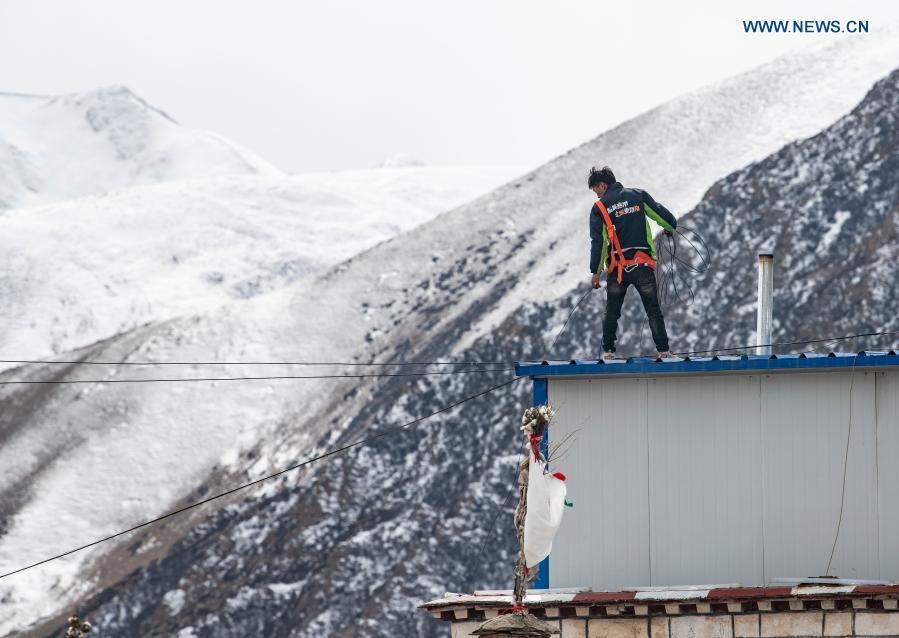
{"x":711,"y":494}
{"x":724,"y":470}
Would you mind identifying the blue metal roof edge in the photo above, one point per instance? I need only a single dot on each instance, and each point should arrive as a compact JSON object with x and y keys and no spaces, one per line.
{"x":650,"y":366}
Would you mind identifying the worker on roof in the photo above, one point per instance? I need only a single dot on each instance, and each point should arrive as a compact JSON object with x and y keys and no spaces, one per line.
{"x":621,"y":243}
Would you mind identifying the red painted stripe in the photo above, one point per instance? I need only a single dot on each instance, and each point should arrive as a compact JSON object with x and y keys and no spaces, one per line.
{"x":749,"y":592}
{"x":876,"y":589}
{"x":594,"y":597}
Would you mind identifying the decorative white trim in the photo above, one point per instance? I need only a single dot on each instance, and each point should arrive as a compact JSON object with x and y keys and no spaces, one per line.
{"x":819,"y":590}
{"x":535,"y":599}
{"x":529,"y":592}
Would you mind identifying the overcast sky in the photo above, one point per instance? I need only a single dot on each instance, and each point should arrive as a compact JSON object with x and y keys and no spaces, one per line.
{"x":337,"y":84}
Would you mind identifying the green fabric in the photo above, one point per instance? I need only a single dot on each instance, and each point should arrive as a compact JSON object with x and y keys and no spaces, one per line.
{"x":651,"y":214}
{"x":649,"y":241}
{"x":656,"y":217}
{"x":605,"y":249}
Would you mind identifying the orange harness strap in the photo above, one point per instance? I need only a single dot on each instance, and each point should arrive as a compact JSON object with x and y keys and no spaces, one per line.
{"x":616,"y":255}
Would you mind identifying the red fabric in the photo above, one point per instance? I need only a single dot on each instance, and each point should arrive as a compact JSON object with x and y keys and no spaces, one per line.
{"x":535,"y":441}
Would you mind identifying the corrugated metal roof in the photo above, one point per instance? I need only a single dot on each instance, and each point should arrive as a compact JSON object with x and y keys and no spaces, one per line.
{"x":647,"y":366}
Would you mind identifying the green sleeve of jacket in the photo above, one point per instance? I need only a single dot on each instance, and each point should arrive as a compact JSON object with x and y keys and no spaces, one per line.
{"x":658,"y":213}
{"x":604,"y":258}
{"x":654,"y":216}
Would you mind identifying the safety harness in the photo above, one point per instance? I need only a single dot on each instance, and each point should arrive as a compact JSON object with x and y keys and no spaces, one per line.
{"x":616,"y":255}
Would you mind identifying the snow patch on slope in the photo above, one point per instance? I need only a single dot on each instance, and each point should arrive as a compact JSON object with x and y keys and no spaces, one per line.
{"x":80,"y":271}
{"x":57,"y":148}
{"x":839,"y":219}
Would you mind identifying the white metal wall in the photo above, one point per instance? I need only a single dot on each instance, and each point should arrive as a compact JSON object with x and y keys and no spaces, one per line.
{"x":887,"y":460}
{"x":726,"y":479}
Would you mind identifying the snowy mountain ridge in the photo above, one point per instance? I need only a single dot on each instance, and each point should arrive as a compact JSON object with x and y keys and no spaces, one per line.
{"x":61,"y":147}
{"x":358,"y":541}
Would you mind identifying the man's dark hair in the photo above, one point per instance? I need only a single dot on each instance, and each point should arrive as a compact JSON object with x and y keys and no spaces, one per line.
{"x":598,"y":175}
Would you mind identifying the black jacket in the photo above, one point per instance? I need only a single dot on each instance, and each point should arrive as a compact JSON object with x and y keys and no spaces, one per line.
{"x":630,"y":210}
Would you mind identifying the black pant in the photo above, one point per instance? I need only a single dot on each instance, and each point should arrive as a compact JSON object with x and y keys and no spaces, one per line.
{"x":644,"y":280}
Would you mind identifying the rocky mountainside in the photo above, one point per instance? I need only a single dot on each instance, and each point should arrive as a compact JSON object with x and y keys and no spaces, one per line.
{"x":349,"y":546}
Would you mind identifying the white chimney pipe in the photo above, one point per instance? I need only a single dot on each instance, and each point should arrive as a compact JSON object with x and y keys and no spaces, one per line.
{"x":766,"y":305}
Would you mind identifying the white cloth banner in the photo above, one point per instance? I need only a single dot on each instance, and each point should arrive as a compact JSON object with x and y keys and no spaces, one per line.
{"x":546,"y":502}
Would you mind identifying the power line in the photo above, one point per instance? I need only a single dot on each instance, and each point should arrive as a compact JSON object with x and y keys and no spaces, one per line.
{"x":668,"y":271}
{"x":320,"y":457}
{"x":254,"y":363}
{"x":371,"y":364}
{"x":379,"y":374}
{"x":567,"y":319}
{"x":795,"y":343}
{"x":513,"y":486}
{"x":261,"y":378}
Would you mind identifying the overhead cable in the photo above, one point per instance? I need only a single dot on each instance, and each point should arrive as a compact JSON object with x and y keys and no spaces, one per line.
{"x":249,"y":378}
{"x":253,"y":363}
{"x":268,"y":477}
{"x":793,"y":343}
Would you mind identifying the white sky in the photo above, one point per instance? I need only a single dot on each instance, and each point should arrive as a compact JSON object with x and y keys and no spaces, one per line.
{"x":337,"y":84}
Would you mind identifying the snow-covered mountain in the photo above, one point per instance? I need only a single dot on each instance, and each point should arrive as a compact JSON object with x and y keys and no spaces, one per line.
{"x":76,"y":272}
{"x":54,"y":148}
{"x":166,"y":221}
{"x":348,"y":546}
